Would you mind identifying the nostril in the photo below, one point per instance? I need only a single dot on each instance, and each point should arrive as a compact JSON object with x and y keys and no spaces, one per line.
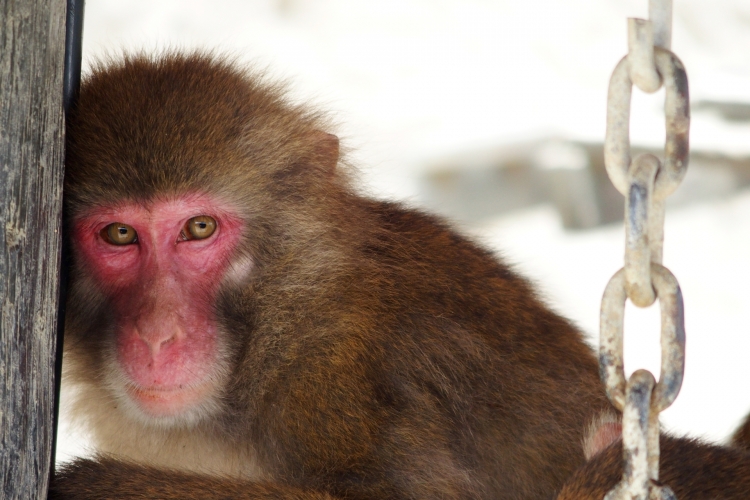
{"x":167,"y":341}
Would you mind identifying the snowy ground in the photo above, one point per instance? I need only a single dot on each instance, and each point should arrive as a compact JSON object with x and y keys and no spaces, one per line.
{"x":411,"y":81}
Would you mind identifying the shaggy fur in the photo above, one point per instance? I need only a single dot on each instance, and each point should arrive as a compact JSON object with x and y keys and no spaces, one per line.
{"x":692,"y":469}
{"x":373,"y":351}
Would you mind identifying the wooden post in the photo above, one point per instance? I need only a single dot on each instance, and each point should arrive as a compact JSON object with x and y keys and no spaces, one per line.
{"x":32,"y":43}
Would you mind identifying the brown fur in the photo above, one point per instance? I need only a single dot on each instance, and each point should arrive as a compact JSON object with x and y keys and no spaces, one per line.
{"x":693,"y":469}
{"x":376,"y":353}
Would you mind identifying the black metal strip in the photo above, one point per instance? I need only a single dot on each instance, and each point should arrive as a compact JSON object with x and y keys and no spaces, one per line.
{"x":71,"y":85}
{"x":73,"y":44}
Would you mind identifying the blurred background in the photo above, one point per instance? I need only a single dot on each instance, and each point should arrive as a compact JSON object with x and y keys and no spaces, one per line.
{"x":492,"y":113}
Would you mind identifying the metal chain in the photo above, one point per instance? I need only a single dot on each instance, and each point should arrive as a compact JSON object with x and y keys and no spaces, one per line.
{"x":645,"y":181}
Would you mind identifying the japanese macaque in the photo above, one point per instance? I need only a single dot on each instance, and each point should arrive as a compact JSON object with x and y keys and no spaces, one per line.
{"x":693,"y":469}
{"x":242,"y":324}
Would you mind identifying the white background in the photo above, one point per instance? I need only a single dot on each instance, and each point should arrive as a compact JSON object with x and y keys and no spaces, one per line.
{"x":411,"y":81}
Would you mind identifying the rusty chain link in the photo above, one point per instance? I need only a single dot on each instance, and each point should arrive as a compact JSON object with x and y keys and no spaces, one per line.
{"x":645,"y":181}
{"x":677,"y":111}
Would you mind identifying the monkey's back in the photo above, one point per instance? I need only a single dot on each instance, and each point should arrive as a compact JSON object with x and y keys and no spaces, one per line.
{"x":453,"y":380}
{"x":514,"y":379}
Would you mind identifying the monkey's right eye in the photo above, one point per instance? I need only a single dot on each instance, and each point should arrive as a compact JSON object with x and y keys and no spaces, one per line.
{"x":118,"y":233}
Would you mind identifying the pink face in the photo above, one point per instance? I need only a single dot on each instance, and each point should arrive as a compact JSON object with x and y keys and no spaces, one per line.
{"x":162,"y":288}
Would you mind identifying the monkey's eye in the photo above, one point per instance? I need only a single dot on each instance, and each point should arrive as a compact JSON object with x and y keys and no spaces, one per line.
{"x":199,"y":228}
{"x":118,"y":233}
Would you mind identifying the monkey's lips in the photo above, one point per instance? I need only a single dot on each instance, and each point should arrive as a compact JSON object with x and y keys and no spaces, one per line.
{"x":163,"y":401}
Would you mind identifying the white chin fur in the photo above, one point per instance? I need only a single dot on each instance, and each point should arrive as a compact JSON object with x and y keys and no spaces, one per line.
{"x":206,"y":407}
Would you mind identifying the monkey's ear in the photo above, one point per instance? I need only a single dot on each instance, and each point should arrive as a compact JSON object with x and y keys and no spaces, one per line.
{"x":326,"y":147}
{"x":605,"y":430}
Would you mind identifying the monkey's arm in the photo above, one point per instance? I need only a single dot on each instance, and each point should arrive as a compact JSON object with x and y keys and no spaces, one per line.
{"x":107,"y":478}
{"x":693,"y":469}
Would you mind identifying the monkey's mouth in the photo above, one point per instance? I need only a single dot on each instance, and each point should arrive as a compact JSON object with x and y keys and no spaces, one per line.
{"x":164,"y":401}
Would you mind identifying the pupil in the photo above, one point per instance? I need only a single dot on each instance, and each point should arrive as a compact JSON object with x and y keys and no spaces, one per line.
{"x":123,"y":231}
{"x":202,"y":225}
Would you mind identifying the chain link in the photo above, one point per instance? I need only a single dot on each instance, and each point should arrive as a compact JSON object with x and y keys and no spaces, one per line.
{"x":611,"y":362}
{"x":677,"y":112}
{"x":645,"y":182}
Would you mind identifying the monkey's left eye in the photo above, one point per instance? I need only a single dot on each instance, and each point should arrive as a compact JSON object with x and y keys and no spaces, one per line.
{"x":199,"y":228}
{"x":118,"y":233}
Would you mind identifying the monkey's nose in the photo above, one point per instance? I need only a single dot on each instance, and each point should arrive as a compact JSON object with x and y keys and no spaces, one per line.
{"x":159,"y":337}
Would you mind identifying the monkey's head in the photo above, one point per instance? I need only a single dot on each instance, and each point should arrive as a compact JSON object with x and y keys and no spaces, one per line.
{"x":184,"y":178}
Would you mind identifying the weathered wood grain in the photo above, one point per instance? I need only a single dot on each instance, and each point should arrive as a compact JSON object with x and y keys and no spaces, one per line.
{"x":32,"y":39}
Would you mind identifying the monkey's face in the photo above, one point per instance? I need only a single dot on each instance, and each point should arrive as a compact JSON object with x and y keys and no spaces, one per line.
{"x":185,"y":177}
{"x":159,"y":266}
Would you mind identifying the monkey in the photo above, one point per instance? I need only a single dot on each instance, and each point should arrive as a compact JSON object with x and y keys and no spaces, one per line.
{"x":243,"y":322}
{"x":692,"y":468}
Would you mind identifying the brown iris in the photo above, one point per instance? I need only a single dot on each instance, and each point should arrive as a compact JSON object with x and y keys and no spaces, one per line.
{"x":199,"y":228}
{"x":118,"y":233}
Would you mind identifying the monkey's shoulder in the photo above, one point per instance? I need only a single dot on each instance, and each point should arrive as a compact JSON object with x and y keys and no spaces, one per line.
{"x":411,"y":235}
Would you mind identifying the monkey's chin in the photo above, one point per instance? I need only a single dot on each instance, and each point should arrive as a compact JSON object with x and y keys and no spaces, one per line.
{"x":171,"y":403}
